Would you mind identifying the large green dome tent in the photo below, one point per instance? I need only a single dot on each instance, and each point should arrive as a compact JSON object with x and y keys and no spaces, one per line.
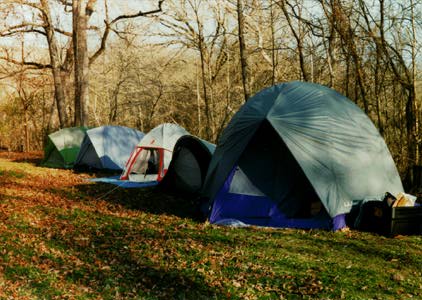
{"x":297,"y":155}
{"x":62,"y":147}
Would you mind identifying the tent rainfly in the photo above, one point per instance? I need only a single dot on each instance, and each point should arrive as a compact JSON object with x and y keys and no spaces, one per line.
{"x":189,"y":165}
{"x":107,"y":147}
{"x":297,"y":155}
{"x":150,"y":159}
{"x":62,"y":147}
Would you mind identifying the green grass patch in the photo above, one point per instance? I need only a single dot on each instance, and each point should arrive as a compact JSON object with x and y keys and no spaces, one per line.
{"x":36,"y":281}
{"x":90,"y":243}
{"x":13,"y":174}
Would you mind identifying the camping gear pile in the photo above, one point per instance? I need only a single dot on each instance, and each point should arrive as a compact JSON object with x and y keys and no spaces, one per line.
{"x":392,"y":215}
{"x":296,"y":155}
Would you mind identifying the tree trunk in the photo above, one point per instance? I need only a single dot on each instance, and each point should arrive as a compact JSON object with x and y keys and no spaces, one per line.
{"x":198,"y":102}
{"x":242,"y":49}
{"x":416,"y":136}
{"x":377,"y":89}
{"x":112,"y":115}
{"x":298,"y":39}
{"x":346,"y":33}
{"x":26,"y":129}
{"x":201,"y":48}
{"x":80,"y":17}
{"x":204,"y":91}
{"x":59,"y":93}
{"x":273,"y":61}
{"x":411,"y":124}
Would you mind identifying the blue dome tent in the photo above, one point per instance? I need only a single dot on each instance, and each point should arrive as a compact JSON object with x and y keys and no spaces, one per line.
{"x":297,"y":155}
{"x":107,"y":148}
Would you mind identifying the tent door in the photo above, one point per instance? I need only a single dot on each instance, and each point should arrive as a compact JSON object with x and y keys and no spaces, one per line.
{"x":145,"y":164}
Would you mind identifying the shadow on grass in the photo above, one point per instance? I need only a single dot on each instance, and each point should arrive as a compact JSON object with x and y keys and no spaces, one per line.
{"x":33,"y":157}
{"x":131,"y":261}
{"x":394,"y":249}
{"x":133,"y":277}
{"x":155,"y":200}
{"x":130,"y":276}
{"x":119,"y":261}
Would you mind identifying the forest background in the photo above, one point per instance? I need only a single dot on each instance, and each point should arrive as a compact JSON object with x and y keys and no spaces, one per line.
{"x":195,"y":62}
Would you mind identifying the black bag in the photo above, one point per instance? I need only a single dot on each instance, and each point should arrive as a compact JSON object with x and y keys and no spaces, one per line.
{"x":374,"y":216}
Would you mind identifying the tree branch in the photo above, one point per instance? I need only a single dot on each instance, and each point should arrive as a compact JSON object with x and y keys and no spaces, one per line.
{"x":61,"y":31}
{"x":22,"y":28}
{"x":139,"y":14}
{"x":65,"y":3}
{"x":102,"y":47}
{"x":108,"y":25}
{"x":26,"y":63}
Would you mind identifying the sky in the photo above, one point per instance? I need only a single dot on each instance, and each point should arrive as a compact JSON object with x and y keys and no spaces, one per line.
{"x":63,"y":19}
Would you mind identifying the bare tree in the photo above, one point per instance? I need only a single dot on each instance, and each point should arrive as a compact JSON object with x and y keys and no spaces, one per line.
{"x":40,"y":23}
{"x":71,"y":57}
{"x":297,"y":33}
{"x":391,"y":51}
{"x":186,"y":19}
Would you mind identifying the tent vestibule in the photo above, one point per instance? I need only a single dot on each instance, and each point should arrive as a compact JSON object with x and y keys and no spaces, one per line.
{"x":150,"y":159}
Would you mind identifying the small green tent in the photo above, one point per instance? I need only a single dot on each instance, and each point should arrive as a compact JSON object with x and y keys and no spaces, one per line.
{"x":62,"y":147}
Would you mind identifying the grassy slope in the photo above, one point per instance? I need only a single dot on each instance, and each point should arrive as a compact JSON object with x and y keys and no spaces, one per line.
{"x":62,"y":237}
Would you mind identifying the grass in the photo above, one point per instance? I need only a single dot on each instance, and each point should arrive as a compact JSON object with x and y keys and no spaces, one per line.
{"x":65,"y":238}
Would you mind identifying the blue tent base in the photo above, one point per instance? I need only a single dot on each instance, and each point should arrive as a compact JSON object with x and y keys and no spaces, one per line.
{"x":124,"y":183}
{"x":263,"y":211}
